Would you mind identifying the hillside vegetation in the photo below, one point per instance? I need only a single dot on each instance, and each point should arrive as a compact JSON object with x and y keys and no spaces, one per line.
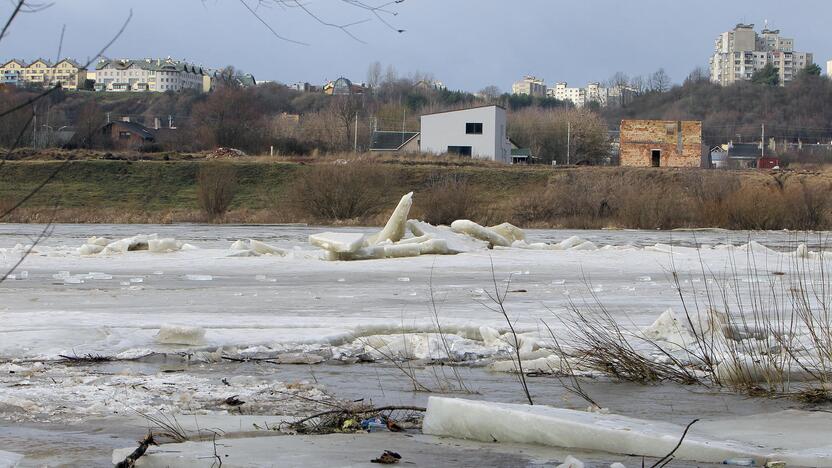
{"x":360,"y":192}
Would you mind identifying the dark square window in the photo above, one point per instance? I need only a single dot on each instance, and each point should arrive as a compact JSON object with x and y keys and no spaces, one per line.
{"x":472,"y":128}
{"x":460,"y":150}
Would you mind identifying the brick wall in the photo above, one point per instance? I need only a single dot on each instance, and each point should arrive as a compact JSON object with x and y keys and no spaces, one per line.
{"x":680,"y":143}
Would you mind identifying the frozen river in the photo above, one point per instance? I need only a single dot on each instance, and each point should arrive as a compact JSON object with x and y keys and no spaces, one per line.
{"x":299,"y":305}
{"x":300,"y":300}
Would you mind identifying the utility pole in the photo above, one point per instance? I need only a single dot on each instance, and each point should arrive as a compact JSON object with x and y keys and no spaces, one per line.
{"x":763,"y":143}
{"x":34,"y":130}
{"x":355,"y":142}
{"x":568,"y":142}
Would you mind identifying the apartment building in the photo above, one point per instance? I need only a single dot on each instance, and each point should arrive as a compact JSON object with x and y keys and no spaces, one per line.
{"x":614,"y":96}
{"x":154,"y":75}
{"x":529,"y":86}
{"x":742,"y":51}
{"x":68,"y":73}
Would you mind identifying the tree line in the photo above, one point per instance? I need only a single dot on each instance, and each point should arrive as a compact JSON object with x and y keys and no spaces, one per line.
{"x":273,"y":116}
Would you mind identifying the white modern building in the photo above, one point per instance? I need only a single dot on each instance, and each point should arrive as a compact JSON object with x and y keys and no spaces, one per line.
{"x":478,"y":132}
{"x":742,"y":51}
{"x":829,"y":68}
{"x":157,"y":75}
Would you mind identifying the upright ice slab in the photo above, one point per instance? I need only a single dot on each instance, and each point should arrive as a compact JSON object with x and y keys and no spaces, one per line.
{"x":395,"y":228}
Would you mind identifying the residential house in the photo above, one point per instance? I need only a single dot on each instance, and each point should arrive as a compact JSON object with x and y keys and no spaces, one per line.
{"x":478,"y":132}
{"x":661,"y":143}
{"x":38,"y":73}
{"x":12,"y":72}
{"x":127,"y":135}
{"x":155,"y":75}
{"x":70,"y":74}
{"x":343,"y":87}
{"x":67,"y":73}
{"x":431,"y":85}
{"x":736,"y":155}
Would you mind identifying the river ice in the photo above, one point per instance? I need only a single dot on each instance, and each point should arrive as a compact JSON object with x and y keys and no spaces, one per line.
{"x":206,"y":302}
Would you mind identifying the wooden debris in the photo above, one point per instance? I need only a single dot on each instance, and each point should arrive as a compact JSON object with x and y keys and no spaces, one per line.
{"x":144,"y":444}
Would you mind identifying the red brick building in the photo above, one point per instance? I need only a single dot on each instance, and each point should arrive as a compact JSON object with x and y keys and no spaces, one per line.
{"x":661,"y":143}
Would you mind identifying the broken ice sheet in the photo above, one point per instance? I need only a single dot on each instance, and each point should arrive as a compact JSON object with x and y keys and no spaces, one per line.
{"x":199,"y":277}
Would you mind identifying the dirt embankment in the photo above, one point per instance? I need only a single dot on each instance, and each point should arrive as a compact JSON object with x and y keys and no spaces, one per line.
{"x":96,"y":188}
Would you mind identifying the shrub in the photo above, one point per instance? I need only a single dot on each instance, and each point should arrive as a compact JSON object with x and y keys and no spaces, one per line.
{"x":339,"y":191}
{"x":449,"y":197}
{"x":216,"y":185}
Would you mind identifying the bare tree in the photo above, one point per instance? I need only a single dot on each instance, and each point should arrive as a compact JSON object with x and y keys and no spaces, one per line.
{"x":89,"y":122}
{"x":391,"y":75}
{"x":347,"y":108}
{"x":374,"y":75}
{"x":491,"y":93}
{"x":382,"y":12}
{"x":659,"y":82}
{"x":620,"y":81}
{"x":638,"y":85}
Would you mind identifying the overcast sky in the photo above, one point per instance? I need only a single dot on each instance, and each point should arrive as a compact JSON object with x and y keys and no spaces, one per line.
{"x":467,"y":44}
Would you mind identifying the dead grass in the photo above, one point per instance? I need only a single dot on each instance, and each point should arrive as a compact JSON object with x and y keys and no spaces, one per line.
{"x":355,"y":189}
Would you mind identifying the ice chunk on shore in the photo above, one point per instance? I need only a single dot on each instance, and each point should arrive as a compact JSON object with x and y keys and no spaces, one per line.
{"x":164,"y":245}
{"x":339,"y":242}
{"x":90,"y":249}
{"x":455,"y":242}
{"x":571,"y":462}
{"x":257,"y":248}
{"x":367,"y":253}
{"x":669,"y":329}
{"x":151,"y":242}
{"x":180,"y":335}
{"x":556,"y":427}
{"x":476,"y":231}
{"x":395,"y":228}
{"x":511,"y":232}
{"x":402,"y":250}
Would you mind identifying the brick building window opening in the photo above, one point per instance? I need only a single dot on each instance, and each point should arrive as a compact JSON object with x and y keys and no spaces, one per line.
{"x":473,"y":128}
{"x":671,"y":129}
{"x":123,"y":135}
{"x":460,"y":150}
{"x":656,"y":158}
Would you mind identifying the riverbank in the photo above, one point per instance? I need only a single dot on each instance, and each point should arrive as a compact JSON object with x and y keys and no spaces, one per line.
{"x":358,"y":191}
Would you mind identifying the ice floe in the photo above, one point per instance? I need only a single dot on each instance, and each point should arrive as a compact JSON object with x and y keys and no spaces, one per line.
{"x":147,"y":242}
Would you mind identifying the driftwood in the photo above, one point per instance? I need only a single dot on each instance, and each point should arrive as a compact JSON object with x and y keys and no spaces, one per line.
{"x":130,"y":461}
{"x":360,"y":411}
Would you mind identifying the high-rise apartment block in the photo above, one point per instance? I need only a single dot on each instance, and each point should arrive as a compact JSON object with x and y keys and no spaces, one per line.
{"x":742,"y":51}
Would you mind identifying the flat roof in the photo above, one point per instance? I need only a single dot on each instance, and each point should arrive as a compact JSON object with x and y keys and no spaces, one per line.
{"x":465,"y":109}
